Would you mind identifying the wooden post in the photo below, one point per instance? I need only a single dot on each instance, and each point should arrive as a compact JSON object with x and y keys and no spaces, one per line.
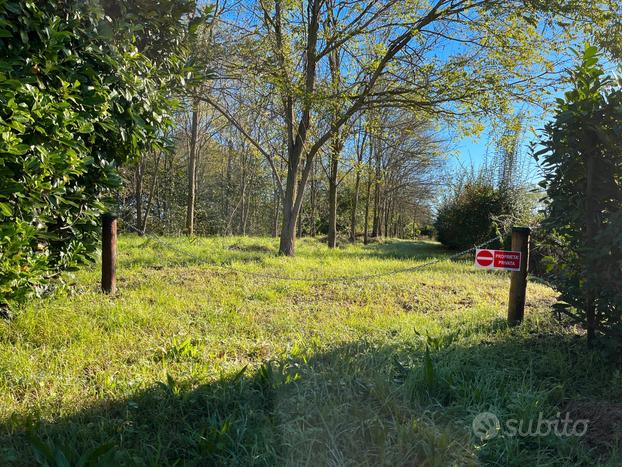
{"x":109,"y":253}
{"x":518,"y":285}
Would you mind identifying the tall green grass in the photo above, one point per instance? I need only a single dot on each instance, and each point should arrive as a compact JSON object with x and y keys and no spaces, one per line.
{"x":195,"y":364}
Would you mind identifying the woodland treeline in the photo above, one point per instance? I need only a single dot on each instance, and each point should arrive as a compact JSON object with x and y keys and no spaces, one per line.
{"x":329,"y":117}
{"x":383,"y":183}
{"x":262,"y":117}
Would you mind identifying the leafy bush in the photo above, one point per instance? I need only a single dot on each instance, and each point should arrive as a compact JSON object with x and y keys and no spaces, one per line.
{"x":478,"y":211}
{"x":582,"y":161}
{"x":75,"y":104}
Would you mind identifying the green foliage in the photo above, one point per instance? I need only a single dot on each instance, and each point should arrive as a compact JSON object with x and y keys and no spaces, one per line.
{"x":478,"y":211}
{"x":582,"y":160}
{"x":74,"y":106}
{"x":180,"y":350}
{"x":51,"y":455}
{"x":156,"y":26}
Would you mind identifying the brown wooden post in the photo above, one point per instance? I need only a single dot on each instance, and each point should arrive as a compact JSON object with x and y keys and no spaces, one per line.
{"x":109,"y":253}
{"x":518,"y":285}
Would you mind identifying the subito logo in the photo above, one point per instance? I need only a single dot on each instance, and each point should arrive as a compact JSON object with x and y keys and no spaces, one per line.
{"x":486,"y":425}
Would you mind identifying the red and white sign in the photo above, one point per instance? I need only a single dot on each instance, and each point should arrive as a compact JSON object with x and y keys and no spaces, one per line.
{"x":498,"y":259}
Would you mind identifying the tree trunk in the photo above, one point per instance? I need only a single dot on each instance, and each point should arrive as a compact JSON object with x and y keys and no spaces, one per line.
{"x":332,"y":194}
{"x":377,"y":227}
{"x":192,"y":170}
{"x":366,"y":228}
{"x":590,"y":232}
{"x":227,"y":191}
{"x":367,"y":197}
{"x":275,"y":212}
{"x":152,"y":190}
{"x":287,"y":245}
{"x":386,"y":209}
{"x":378,"y":215}
{"x":138,"y":194}
{"x":415,"y":221}
{"x":290,"y":212}
{"x":243,"y":200}
{"x":277,"y":205}
{"x":333,"y":174}
{"x":292,"y":196}
{"x":167,"y":191}
{"x":355,"y":200}
{"x":313,"y":200}
{"x":332,"y":214}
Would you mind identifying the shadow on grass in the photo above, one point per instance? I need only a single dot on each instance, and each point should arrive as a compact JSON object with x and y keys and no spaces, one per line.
{"x":357,"y":404}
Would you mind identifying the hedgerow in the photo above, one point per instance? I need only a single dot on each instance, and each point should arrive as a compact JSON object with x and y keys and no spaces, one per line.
{"x":479,"y":211}
{"x":75,"y":103}
{"x":581,"y":157}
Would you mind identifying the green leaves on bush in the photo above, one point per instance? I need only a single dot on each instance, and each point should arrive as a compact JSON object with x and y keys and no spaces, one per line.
{"x":582,"y":161}
{"x":478,"y":211}
{"x":74,"y":105}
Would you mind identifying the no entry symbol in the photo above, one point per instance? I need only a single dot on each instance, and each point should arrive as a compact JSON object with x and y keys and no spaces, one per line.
{"x":484,"y":258}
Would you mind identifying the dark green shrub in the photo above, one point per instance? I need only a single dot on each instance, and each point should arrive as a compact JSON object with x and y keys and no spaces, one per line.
{"x":478,"y":212}
{"x":582,"y":161}
{"x":74,"y":105}
{"x":427,"y":231}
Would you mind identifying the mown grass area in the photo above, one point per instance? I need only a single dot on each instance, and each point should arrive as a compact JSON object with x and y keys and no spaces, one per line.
{"x":198,"y":365}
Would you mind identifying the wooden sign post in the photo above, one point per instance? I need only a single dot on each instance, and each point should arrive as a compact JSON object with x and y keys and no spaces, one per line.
{"x":518,"y":285}
{"x":109,"y":253}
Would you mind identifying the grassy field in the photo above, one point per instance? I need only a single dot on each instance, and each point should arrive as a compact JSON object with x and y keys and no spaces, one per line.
{"x":198,"y":365}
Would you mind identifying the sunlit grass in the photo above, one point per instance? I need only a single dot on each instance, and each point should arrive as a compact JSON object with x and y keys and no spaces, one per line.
{"x":193,"y":361}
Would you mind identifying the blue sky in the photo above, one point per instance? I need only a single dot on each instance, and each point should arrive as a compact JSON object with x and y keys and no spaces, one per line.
{"x":471,"y":152}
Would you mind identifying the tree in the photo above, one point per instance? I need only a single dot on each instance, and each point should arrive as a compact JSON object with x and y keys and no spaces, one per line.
{"x":510,"y":172}
{"x":390,"y":50}
{"x":199,"y":34}
{"x":406,"y":154}
{"x":192,"y":169}
{"x":76,"y":104}
{"x":360,"y":148}
{"x":582,"y":162}
{"x":161,"y":30}
{"x":478,"y":211}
